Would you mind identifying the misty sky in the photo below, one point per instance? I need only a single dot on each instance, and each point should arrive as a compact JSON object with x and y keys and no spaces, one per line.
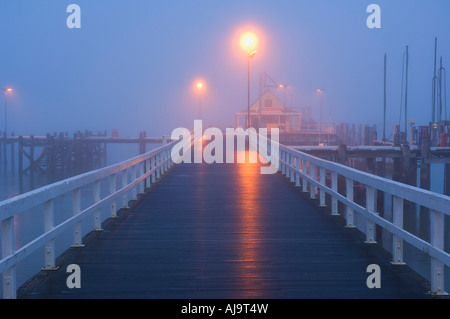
{"x":133,"y":63}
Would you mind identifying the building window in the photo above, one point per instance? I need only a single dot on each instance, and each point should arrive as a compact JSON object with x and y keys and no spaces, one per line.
{"x":268,"y":103}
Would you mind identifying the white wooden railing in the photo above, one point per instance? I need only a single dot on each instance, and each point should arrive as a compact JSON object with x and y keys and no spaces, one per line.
{"x":136,"y":174}
{"x":309,"y":172}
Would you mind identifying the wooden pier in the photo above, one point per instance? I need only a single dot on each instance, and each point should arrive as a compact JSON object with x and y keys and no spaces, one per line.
{"x":231,"y":233}
{"x":67,"y":155}
{"x":230,"y":218}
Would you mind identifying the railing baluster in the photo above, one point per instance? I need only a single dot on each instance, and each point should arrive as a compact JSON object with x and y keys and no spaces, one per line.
{"x":288,"y":163}
{"x":153,"y":160}
{"x":97,"y":213}
{"x":397,"y":243}
{"x":49,"y":224}
{"x":322,"y":182}
{"x":76,"y":207}
{"x":141,"y":173}
{"x":437,"y":240}
{"x":291,"y":170}
{"x":370,"y":206}
{"x":124,"y":184}
{"x":297,"y":174}
{"x":305,"y":173}
{"x":164,"y":167}
{"x":312,"y":188}
{"x":334,"y":187}
{"x":280,"y":156}
{"x":158,"y":170}
{"x":9,"y":275}
{"x":133,"y":179}
{"x":349,"y":210}
{"x":112,"y":190}
{"x":147,"y":169}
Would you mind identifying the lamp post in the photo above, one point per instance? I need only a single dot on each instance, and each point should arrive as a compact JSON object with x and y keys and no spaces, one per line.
{"x":248,"y":42}
{"x":250,"y":55}
{"x":284,"y":87}
{"x":320,"y":127}
{"x":6,"y":90}
{"x":200,"y":87}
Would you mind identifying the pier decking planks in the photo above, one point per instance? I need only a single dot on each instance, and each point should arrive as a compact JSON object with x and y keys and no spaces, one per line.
{"x":226,"y":231}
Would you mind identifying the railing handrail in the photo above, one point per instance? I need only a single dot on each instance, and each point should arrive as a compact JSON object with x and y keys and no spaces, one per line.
{"x":9,"y":207}
{"x":423,"y":197}
{"x":299,"y":166}
{"x":151,"y":166}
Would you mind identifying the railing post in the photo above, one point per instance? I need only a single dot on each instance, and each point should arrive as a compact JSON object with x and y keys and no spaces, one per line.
{"x":153,"y":168}
{"x":437,"y":240}
{"x":322,"y":182}
{"x":163,"y":161}
{"x":397,"y":243}
{"x":288,"y":163}
{"x":292,"y":171}
{"x":334,"y":187}
{"x":169,"y":154}
{"x":9,"y":275}
{"x":297,"y":172}
{"x":283,"y":160}
{"x":141,"y":173}
{"x":76,"y":207}
{"x":370,"y":206}
{"x":312,"y":188}
{"x":124,"y":184}
{"x":280,"y":156}
{"x":133,"y":179}
{"x":158,"y":161}
{"x":148,"y":168}
{"x":349,"y":210}
{"x":49,"y":224}
{"x":97,"y":213}
{"x":304,"y":173}
{"x":112,"y":190}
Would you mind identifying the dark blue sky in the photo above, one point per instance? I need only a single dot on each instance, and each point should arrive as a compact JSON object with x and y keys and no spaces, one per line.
{"x":132,"y":65}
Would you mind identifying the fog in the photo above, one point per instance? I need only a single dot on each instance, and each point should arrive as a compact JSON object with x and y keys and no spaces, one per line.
{"x":133,"y":64}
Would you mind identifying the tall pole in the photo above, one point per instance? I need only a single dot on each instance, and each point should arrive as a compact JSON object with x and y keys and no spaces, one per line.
{"x":6,"y":93}
{"x":200,"y":105}
{"x":439,"y":115}
{"x":248,"y":89}
{"x":320,"y":127}
{"x":406,"y":96}
{"x":384,"y":102}
{"x":433,"y":86}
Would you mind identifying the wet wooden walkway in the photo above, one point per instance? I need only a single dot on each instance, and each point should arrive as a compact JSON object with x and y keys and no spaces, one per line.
{"x":226,"y":231}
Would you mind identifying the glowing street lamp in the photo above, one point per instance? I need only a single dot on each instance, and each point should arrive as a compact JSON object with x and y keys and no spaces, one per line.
{"x":6,"y":90}
{"x":284,"y":87}
{"x":248,"y":42}
{"x":199,"y":88}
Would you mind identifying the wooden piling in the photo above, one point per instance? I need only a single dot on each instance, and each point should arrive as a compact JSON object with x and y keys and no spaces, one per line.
{"x":13,"y":160}
{"x":20,"y":155}
{"x":5,"y":155}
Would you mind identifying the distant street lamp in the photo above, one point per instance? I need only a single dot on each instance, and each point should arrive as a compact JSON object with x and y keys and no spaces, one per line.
{"x":320,"y":128}
{"x":6,"y":90}
{"x":284,"y":87}
{"x":199,"y":88}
